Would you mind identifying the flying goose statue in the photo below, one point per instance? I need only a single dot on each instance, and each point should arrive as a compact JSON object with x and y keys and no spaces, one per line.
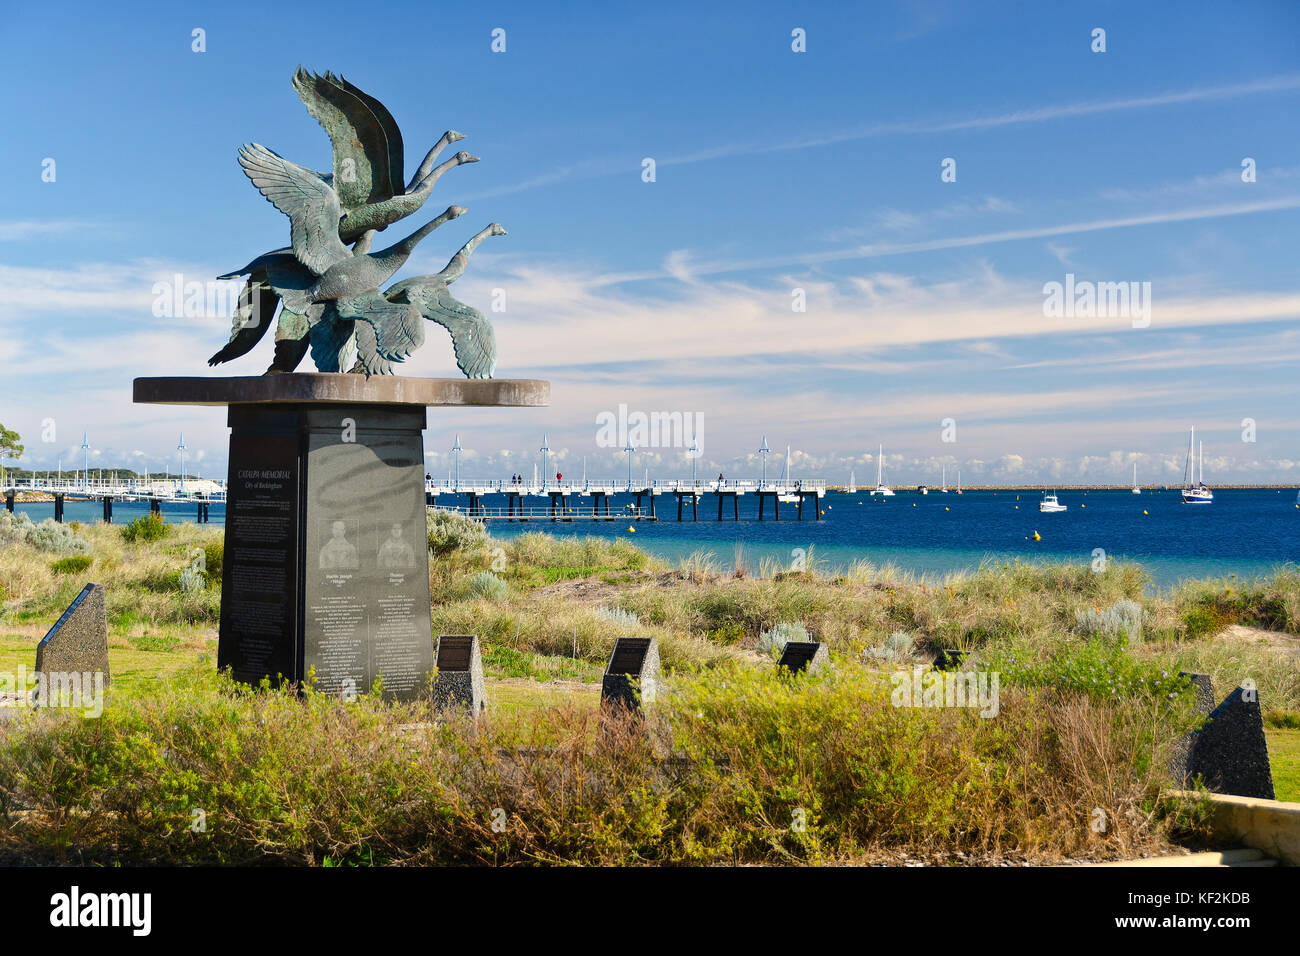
{"x":328,"y":294}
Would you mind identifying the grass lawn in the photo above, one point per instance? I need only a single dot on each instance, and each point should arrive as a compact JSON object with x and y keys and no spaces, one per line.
{"x":1284,"y":754}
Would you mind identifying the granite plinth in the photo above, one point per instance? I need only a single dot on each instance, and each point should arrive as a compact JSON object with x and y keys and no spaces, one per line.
{"x":326,"y":575}
{"x":319,"y":387}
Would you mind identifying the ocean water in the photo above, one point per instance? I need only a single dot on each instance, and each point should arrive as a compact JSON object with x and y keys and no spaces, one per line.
{"x":1247,"y":532}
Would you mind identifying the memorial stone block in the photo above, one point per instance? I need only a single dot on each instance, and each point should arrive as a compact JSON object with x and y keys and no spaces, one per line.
{"x":1230,"y":752}
{"x":632,"y":675}
{"x":74,"y":650}
{"x":459,"y":680}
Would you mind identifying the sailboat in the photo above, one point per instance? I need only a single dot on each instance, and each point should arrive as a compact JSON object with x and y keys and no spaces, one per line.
{"x":944,"y":490}
{"x":881,"y":487}
{"x":1198,"y":493}
{"x":785,"y":480}
{"x":853,"y":484}
{"x":1136,"y":489}
{"x":958,"y":481}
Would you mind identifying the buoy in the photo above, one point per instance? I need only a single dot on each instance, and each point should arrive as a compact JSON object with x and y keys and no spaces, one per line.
{"x":1083,"y":506}
{"x":631,"y":529}
{"x":1017,"y":507}
{"x":914,"y":504}
{"x":945,"y":509}
{"x":1144,"y":511}
{"x":1037,"y":536}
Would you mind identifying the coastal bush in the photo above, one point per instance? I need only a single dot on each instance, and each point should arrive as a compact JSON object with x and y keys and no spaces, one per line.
{"x":450,"y":531}
{"x":727,"y":634}
{"x":897,"y":648}
{"x":619,"y":617}
{"x":73,"y":564}
{"x":214,"y":557}
{"x":49,"y":535}
{"x":772,"y":641}
{"x":489,"y":587}
{"x":1121,"y":621}
{"x":1101,"y":668}
{"x":816,"y":770}
{"x":146,"y":528}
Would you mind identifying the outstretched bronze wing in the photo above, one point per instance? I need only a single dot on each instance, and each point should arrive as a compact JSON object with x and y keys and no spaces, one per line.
{"x":362,"y":170}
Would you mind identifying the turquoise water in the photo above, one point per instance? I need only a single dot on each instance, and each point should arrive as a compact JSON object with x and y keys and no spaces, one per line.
{"x":1247,"y":532}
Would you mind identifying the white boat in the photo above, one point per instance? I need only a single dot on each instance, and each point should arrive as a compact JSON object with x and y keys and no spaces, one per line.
{"x":1050,"y":503}
{"x":881,"y":488}
{"x":1136,"y":489}
{"x":1195,"y":491}
{"x":943,"y":490}
{"x":853,"y":484}
{"x":785,"y":481}
{"x":958,"y":481}
{"x":922,"y":490}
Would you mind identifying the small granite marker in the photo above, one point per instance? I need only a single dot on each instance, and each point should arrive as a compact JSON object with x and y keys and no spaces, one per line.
{"x":1230,"y":752}
{"x":803,"y":656}
{"x":77,"y":644}
{"x":632,"y":675}
{"x":459,"y":680}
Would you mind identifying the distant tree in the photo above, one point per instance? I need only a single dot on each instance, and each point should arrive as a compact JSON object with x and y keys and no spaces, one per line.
{"x":9,"y":447}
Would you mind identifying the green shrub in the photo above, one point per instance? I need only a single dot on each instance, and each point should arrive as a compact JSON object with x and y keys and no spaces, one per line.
{"x":619,"y":617}
{"x":773,"y":641}
{"x":150,"y":527}
{"x":450,"y":531}
{"x":305,"y":779}
{"x":49,"y":535}
{"x":728,"y":634}
{"x":214,"y":553}
{"x":1121,"y":621}
{"x":488,"y":586}
{"x":73,"y":564}
{"x":895,"y":649}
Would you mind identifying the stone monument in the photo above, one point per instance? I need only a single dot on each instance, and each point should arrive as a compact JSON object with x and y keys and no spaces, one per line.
{"x":76,"y":647}
{"x":326,"y":562}
{"x":459,"y":681}
{"x":1230,"y":753}
{"x":631,"y":678}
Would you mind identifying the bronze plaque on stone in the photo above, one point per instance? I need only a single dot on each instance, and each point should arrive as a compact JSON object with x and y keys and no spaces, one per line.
{"x":259,"y":587}
{"x":629,"y":655}
{"x":454,"y":652}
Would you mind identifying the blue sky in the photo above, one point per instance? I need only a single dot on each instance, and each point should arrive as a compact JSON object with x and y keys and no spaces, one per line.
{"x":775,"y":171}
